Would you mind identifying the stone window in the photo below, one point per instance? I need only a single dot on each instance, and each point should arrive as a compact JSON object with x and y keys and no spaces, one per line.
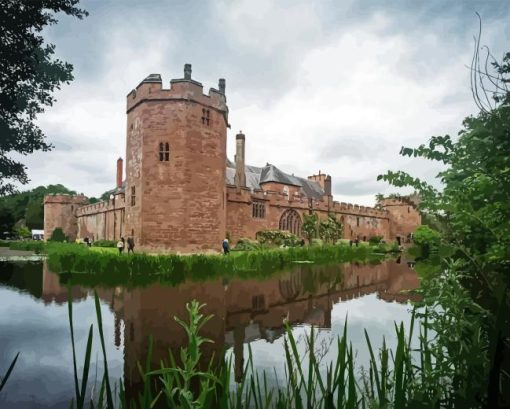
{"x":408,"y":209}
{"x":133,"y":196}
{"x":258,"y":210}
{"x":291,"y":221}
{"x":206,"y":116}
{"x":357,"y":221}
{"x":164,"y":152}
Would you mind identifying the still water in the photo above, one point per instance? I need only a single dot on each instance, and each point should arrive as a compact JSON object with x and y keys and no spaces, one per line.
{"x":34,"y":321}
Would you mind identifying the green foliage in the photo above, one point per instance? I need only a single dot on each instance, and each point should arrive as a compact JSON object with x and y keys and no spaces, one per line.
{"x":109,"y":268}
{"x":23,"y":232}
{"x":310,"y":226}
{"x":27,"y":205}
{"x":375,"y":240}
{"x":396,"y":378}
{"x":58,"y":235}
{"x":29,"y":77}
{"x":278,"y":238}
{"x":426,"y":239}
{"x":330,"y":230}
{"x":474,"y":210}
{"x":104,"y":243}
{"x":247,"y":245}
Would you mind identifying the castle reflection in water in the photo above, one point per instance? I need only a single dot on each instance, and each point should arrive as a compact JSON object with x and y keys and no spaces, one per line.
{"x":243,"y":310}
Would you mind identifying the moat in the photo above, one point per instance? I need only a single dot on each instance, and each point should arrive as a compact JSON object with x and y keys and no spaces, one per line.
{"x":34,"y":321}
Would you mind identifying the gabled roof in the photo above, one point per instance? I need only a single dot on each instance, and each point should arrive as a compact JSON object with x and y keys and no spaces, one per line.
{"x":256,"y":176}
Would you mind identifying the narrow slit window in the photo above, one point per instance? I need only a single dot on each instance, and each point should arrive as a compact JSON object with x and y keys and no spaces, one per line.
{"x":164,"y":152}
{"x":133,"y":196}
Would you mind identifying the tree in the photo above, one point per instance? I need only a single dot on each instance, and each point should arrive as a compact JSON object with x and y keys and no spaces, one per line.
{"x":310,"y":226}
{"x":474,"y":209}
{"x":29,"y":75}
{"x":330,"y":230}
{"x":427,"y":239}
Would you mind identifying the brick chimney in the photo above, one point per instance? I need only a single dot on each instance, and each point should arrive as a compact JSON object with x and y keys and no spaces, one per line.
{"x":324,"y":181}
{"x":240,"y":177}
{"x":120,"y":166}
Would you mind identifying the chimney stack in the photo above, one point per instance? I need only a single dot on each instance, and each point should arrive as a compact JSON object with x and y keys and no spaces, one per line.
{"x":187,"y":71}
{"x":240,"y":177}
{"x":120,"y":166}
{"x":221,"y":86}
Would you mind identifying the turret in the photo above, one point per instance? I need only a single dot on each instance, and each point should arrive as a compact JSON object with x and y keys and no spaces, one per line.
{"x":175,"y":164}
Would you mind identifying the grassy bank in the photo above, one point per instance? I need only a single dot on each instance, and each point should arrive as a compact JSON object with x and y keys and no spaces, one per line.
{"x":109,"y":267}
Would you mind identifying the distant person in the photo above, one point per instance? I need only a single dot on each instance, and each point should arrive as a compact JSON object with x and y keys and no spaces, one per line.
{"x":120,"y":245}
{"x":226,"y":249}
{"x":350,"y":242}
{"x":356,"y":241}
{"x":131,"y":245}
{"x":302,"y":242}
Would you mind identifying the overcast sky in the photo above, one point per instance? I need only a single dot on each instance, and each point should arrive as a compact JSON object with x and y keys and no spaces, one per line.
{"x":337,"y":86}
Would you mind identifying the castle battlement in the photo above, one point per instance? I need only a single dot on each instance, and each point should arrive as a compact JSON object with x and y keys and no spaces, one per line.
{"x":151,"y":89}
{"x":64,"y":198}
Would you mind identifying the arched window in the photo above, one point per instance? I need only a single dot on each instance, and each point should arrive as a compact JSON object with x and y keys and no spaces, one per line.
{"x":164,"y":152}
{"x":291,"y":221}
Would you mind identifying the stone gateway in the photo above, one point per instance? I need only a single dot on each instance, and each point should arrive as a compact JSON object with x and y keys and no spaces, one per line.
{"x":182,"y":194}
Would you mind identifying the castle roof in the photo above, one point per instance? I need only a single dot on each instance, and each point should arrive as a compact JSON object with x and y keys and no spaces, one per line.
{"x":256,"y":176}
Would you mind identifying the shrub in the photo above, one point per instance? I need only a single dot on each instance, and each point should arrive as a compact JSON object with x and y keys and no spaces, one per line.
{"x":317,"y":242}
{"x":58,"y":235}
{"x":247,"y":245}
{"x":375,"y":240}
{"x":427,"y":239}
{"x":278,"y":238}
{"x":104,"y":243}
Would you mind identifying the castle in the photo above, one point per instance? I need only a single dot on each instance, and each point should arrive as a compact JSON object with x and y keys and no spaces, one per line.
{"x":181,"y":193}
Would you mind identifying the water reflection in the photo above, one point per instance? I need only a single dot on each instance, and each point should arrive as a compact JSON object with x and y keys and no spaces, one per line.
{"x":245,"y":311}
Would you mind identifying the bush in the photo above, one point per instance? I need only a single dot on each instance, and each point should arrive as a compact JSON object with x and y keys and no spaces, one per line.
{"x":375,"y":240}
{"x":317,"y":242}
{"x":58,"y":235}
{"x":105,"y":243}
{"x":247,"y":245}
{"x":278,"y":238}
{"x":426,"y":239}
{"x":36,"y":246}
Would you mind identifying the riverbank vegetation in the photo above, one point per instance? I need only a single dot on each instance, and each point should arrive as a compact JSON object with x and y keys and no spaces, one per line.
{"x":396,"y":378}
{"x":473,"y":210}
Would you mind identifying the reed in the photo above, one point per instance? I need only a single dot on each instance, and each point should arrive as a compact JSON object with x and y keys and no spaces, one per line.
{"x":174,"y":269}
{"x":397,"y":378}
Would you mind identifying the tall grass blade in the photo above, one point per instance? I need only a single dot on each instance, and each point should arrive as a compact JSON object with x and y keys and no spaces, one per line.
{"x":109,"y":397}
{"x":3,"y":380}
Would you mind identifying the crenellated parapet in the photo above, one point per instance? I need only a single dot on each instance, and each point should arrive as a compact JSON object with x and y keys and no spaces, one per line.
{"x":63,"y":198}
{"x":181,"y":89}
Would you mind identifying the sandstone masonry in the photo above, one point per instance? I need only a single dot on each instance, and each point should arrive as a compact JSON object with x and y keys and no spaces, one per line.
{"x":182,"y":194}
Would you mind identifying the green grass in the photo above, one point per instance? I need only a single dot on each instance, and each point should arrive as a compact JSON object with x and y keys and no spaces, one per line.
{"x":108,"y":267}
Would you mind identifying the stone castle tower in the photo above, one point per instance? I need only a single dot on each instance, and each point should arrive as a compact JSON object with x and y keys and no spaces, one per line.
{"x":175,"y":164}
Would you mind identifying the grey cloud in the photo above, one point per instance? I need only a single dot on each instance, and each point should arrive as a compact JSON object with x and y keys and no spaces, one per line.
{"x":355,"y":187}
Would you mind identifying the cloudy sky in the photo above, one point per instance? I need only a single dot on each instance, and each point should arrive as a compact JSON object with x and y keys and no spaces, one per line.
{"x":333,"y":85}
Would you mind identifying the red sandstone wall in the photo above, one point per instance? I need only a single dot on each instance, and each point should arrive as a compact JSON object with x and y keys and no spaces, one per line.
{"x":241,"y":224}
{"x":60,"y":211}
{"x":102,"y":220}
{"x":404,"y":218}
{"x":180,"y":204}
